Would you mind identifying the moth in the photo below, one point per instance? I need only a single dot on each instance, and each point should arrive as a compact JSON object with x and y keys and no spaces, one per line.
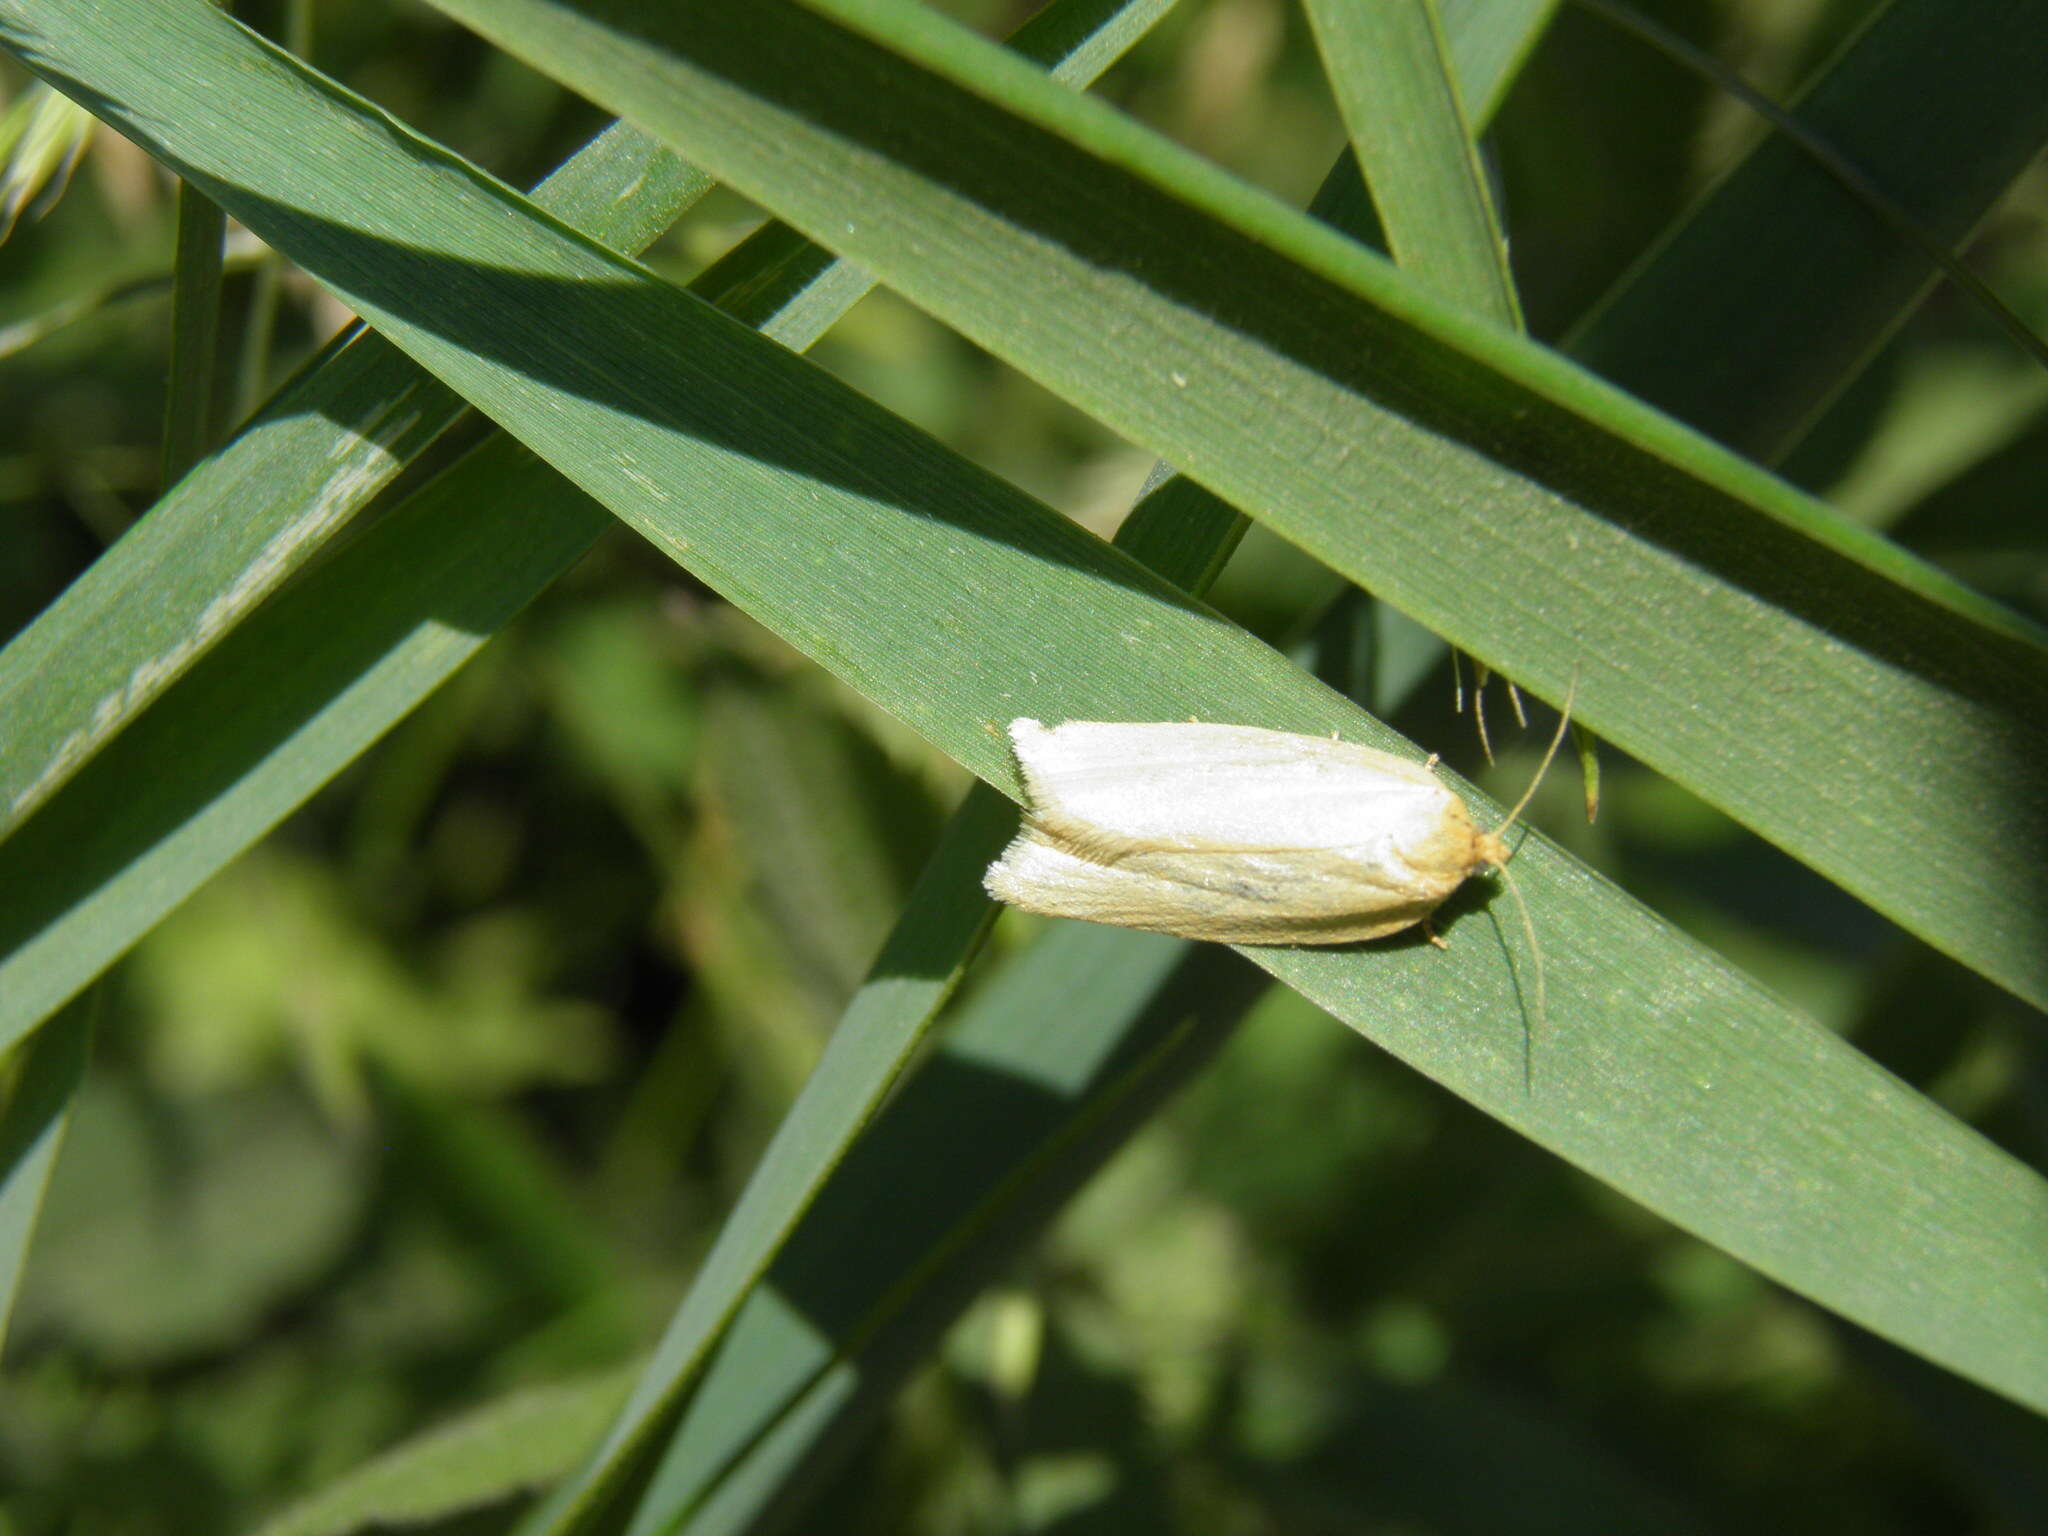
{"x":1235,"y":833}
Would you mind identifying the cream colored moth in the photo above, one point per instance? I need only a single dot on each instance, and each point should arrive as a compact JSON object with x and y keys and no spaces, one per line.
{"x":1235,"y":833}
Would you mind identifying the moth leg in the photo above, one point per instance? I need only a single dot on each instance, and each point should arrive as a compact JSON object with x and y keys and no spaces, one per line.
{"x":1429,"y":932}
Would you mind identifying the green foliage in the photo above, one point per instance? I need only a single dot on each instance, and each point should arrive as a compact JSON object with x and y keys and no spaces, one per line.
{"x":491,"y":810}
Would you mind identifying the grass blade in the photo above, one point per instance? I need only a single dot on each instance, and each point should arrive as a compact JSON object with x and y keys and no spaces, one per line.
{"x":477,"y":1459}
{"x":1390,"y":67}
{"x":342,"y":656}
{"x":195,"y":333}
{"x":38,"y":1107}
{"x":1679,"y":1082}
{"x":228,"y":534}
{"x":1178,"y":530}
{"x":1043,"y":1075}
{"x":1421,"y":454}
{"x":1710,"y":311}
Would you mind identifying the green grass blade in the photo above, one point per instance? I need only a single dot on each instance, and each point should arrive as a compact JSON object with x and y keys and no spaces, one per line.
{"x":1938,"y":253}
{"x":1179,"y":531}
{"x":229,"y":533}
{"x":253,"y":381}
{"x":477,"y":1459}
{"x":266,"y":503}
{"x":875,"y":1040}
{"x":291,"y":696}
{"x":1076,"y":40}
{"x":1711,"y":327}
{"x":1489,"y":41}
{"x":1679,"y":1082}
{"x":37,"y":1109}
{"x":340,"y":658}
{"x":1532,"y":516}
{"x":42,"y":136}
{"x":1042,"y":1075}
{"x":1185,"y":534}
{"x":1390,"y":67}
{"x":195,"y":333}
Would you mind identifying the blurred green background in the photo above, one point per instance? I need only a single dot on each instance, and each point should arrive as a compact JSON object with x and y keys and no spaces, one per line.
{"x":443,"y":1090}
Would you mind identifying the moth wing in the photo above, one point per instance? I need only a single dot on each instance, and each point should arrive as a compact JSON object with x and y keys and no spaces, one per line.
{"x":1106,"y":789}
{"x":1303,"y":898}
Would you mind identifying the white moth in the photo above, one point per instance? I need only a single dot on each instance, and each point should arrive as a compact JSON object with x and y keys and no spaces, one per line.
{"x":1234,"y":833}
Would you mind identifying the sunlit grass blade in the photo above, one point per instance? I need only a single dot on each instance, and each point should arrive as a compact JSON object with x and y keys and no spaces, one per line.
{"x":1513,"y":503}
{"x":1389,"y":65}
{"x":1042,"y":1075}
{"x":1179,"y":530}
{"x":256,"y":511}
{"x":229,"y":533}
{"x":345,"y":654}
{"x":1489,"y":41}
{"x":41,"y":139}
{"x":869,"y":1049}
{"x":1676,"y":1080}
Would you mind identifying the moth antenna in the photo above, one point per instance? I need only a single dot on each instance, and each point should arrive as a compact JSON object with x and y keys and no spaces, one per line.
{"x":1539,"y":1022}
{"x":1564,"y":720}
{"x":1457,"y":680}
{"x":1515,"y":698}
{"x":1479,"y":717}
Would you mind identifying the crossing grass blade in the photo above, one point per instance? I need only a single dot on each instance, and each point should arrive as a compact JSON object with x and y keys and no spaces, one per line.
{"x":245,"y":519}
{"x":1391,"y":69}
{"x":189,"y":404}
{"x":1725,"y":629}
{"x":1183,"y":533}
{"x":1715,"y":324}
{"x":340,"y":657}
{"x":1040,"y":1077}
{"x":34,"y":1112}
{"x":1671,"y":1077}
